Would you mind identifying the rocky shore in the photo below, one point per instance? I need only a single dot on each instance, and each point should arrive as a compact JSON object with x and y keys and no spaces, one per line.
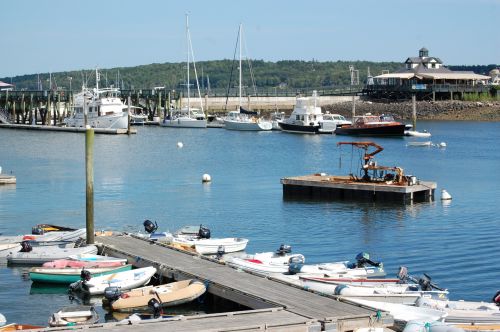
{"x":426,"y":110}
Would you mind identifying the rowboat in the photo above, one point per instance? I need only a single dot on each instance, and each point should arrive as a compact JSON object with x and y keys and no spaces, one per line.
{"x":167,"y":295}
{"x":74,"y":315}
{"x":69,"y":275}
{"x":40,"y":255}
{"x":45,"y":228}
{"x":123,"y":280}
{"x":19,"y":327}
{"x":213,"y":246}
{"x":50,"y":236}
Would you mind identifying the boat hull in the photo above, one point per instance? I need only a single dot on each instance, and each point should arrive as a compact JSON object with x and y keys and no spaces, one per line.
{"x":184,"y":122}
{"x":299,"y":129}
{"x":169,"y":295}
{"x":114,"y":121}
{"x":69,"y":275}
{"x":247,"y":126}
{"x":40,"y":255}
{"x":383,"y":130}
{"x":211,"y":246}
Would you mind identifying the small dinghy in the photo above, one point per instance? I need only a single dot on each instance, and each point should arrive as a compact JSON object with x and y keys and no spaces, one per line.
{"x":74,"y":315}
{"x":122,"y":280}
{"x":426,"y":143}
{"x":266,"y":262}
{"x":97,"y":258}
{"x":415,"y":133}
{"x":39,"y":255}
{"x":20,"y":327}
{"x":68,"y":275}
{"x":72,"y":263}
{"x":167,"y":295}
{"x":204,"y":244}
{"x":364,"y":267}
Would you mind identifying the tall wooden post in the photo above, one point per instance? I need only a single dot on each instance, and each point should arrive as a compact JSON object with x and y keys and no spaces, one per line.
{"x":128,"y":115}
{"x":89,"y":176}
{"x":414,"y":113}
{"x":23,"y":108}
{"x":353,"y":106}
{"x":31,"y":118}
{"x":158,"y":106}
{"x":48,"y":114}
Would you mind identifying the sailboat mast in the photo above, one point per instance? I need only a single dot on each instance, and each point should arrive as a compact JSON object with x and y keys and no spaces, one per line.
{"x":239,"y":39}
{"x":187,"y":61}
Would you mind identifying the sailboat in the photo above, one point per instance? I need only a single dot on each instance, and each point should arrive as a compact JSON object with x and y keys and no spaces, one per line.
{"x":187,"y":116}
{"x":242,"y":119}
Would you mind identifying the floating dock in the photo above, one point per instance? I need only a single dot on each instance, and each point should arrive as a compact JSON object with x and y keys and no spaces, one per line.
{"x":266,"y":304}
{"x":331,"y":187}
{"x":108,"y":131}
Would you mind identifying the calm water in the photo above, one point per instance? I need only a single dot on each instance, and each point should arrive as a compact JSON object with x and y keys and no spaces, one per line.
{"x":146,"y":176}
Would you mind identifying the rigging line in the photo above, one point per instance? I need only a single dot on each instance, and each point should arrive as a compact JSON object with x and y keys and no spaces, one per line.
{"x":249,"y":61}
{"x":232,"y":68}
{"x":195,"y":73}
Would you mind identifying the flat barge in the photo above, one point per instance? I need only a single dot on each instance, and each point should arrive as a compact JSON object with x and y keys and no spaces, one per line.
{"x":331,"y":187}
{"x":375,"y":183}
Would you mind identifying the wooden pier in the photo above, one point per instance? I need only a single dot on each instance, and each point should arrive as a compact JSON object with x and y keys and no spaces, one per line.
{"x":108,"y":131}
{"x":332,"y":187}
{"x":267,"y":304}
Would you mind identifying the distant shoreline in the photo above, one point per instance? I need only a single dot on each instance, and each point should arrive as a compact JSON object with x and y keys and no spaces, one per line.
{"x":438,"y":110}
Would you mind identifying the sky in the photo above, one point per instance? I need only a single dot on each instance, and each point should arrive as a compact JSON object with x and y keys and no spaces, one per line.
{"x":65,"y":35}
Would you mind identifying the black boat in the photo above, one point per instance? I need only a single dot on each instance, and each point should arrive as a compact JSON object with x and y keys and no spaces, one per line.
{"x":372,"y":125}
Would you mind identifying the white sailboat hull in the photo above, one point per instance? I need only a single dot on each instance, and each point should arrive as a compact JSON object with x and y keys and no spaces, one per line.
{"x":247,"y":125}
{"x":184,"y":122}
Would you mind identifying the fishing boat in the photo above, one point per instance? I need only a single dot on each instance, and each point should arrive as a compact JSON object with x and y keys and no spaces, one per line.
{"x":40,"y":255}
{"x":74,"y":315}
{"x":68,"y":275}
{"x":372,"y":125}
{"x":242,"y":119}
{"x":167,"y":295}
{"x":188,"y":116}
{"x":102,"y":108}
{"x":266,"y":262}
{"x":124,"y":280}
{"x":305,"y":117}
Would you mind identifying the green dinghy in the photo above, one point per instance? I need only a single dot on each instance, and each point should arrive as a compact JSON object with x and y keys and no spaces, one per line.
{"x":70,"y":275}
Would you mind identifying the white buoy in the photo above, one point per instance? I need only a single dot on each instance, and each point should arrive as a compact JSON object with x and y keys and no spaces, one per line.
{"x":442,"y":145}
{"x":445,"y":195}
{"x":180,"y":145}
{"x":206,"y":178}
{"x":2,"y":320}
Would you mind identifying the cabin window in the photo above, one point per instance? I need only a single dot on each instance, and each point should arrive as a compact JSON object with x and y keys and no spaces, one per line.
{"x":297,"y":117}
{"x":433,"y":65}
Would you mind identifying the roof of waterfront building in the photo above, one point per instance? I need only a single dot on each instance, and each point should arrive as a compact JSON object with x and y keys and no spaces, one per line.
{"x":425,"y":66}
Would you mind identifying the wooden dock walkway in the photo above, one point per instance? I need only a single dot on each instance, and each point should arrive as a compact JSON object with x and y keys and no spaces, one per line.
{"x":274,"y":303}
{"x":68,"y":129}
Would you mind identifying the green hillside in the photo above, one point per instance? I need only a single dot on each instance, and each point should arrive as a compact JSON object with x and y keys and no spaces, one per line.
{"x":216,"y":75}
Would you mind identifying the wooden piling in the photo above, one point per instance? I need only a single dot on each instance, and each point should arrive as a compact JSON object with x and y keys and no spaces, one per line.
{"x":414,"y":112}
{"x":89,"y":176}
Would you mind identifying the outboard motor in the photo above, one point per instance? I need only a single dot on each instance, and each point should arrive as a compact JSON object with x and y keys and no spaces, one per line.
{"x":496,"y":298}
{"x":402,"y":273}
{"x":284,"y":249}
{"x":204,"y":232}
{"x":363,"y":260}
{"x":26,"y":246}
{"x":155,"y":307}
{"x":149,"y":226}
{"x":425,"y":283}
{"x":295,"y":264}
{"x":37,"y":230}
{"x":220,"y":251}
{"x":112,"y":293}
{"x":85,"y":275}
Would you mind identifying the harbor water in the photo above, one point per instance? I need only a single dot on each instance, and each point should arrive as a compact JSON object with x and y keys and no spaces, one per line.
{"x":148,"y":176}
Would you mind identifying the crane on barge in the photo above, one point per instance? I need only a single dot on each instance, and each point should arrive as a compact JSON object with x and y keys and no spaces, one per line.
{"x":379,"y":174}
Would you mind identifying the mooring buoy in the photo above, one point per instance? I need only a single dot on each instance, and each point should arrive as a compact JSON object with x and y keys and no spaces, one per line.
{"x":206,"y":178}
{"x":445,"y":195}
{"x":180,"y":145}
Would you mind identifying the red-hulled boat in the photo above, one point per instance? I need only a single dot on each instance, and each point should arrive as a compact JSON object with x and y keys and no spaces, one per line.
{"x":372,"y":125}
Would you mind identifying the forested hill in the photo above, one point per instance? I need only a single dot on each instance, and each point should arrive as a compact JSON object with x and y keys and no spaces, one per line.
{"x":216,"y":74}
